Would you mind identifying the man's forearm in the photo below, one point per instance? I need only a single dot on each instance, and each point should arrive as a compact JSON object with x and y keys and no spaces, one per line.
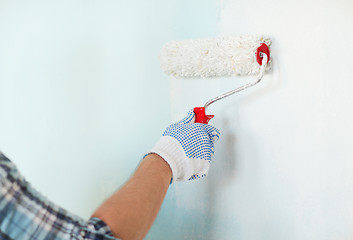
{"x":131,"y":211}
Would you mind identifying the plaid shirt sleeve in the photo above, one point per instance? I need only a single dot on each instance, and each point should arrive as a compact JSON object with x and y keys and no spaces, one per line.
{"x":26,"y":214}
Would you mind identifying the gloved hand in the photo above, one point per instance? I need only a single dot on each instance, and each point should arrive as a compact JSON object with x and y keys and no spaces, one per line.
{"x":187,"y":147}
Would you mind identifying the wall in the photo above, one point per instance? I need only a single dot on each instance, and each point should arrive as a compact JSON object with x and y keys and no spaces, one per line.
{"x":282,"y":168}
{"x":80,"y":82}
{"x":76,"y":77}
{"x":82,"y":94}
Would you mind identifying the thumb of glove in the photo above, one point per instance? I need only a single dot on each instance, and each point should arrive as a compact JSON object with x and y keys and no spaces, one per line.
{"x":190,"y":118}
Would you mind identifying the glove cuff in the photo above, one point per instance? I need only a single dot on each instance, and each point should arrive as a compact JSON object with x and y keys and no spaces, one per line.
{"x":171,"y":151}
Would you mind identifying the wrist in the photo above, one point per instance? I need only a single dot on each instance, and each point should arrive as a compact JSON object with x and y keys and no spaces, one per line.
{"x":157,"y":164}
{"x":172,"y":152}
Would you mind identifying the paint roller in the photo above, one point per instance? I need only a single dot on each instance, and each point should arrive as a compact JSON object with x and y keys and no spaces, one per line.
{"x":216,"y":57}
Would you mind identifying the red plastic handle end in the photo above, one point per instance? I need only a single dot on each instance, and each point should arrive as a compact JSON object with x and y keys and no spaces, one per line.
{"x":201,"y":116}
{"x":262,"y":49}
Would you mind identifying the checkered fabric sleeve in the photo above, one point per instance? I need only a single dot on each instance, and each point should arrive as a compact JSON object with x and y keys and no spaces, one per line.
{"x":26,"y":214}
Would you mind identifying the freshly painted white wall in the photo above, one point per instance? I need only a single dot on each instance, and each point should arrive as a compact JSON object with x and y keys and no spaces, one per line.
{"x":294,"y":133}
{"x":283,"y":166}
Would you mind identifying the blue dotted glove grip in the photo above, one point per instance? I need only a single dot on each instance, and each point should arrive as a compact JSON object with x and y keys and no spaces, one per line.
{"x":188,"y":147}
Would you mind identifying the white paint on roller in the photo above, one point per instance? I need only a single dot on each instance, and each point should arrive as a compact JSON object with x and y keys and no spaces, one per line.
{"x":212,"y":57}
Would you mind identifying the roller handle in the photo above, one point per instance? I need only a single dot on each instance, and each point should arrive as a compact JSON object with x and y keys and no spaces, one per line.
{"x":201,"y":116}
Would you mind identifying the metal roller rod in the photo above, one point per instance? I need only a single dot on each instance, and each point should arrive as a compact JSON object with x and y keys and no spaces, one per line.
{"x":259,"y":78}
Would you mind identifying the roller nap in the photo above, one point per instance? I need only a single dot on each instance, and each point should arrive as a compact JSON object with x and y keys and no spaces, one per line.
{"x":212,"y":57}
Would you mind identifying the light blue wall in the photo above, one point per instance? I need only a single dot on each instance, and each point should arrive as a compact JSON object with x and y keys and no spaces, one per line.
{"x":82,"y":95}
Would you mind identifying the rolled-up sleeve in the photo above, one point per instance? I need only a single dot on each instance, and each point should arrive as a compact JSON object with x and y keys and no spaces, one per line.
{"x":26,"y":214}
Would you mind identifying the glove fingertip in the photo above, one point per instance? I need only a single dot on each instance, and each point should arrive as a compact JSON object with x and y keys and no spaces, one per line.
{"x":213,"y":132}
{"x":190,"y":117}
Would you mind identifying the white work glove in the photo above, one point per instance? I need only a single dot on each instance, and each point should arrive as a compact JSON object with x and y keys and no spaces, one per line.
{"x":187,"y":147}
